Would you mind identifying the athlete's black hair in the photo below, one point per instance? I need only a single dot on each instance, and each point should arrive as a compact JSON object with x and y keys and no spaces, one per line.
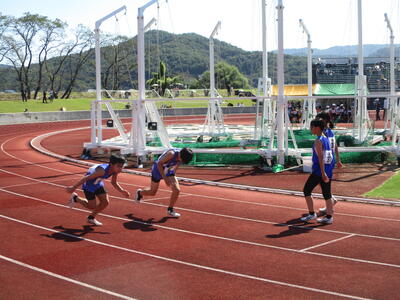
{"x":186,"y":155}
{"x":117,"y":159}
{"x":326,"y":117}
{"x":317,"y":123}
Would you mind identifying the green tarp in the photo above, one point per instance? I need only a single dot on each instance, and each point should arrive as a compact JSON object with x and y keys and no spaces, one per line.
{"x":331,"y":89}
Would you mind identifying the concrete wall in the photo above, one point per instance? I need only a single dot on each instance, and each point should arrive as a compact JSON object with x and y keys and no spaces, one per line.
{"x":38,"y":117}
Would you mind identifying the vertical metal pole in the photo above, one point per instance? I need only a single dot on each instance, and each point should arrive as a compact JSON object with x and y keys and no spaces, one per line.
{"x":392,"y":79}
{"x":96,"y":122}
{"x":139,"y":120}
{"x":138,"y":130}
{"x":361,"y":84}
{"x":213,"y":119}
{"x":264,"y":46}
{"x":310,"y":102}
{"x":98,"y":78}
{"x":281,"y":81}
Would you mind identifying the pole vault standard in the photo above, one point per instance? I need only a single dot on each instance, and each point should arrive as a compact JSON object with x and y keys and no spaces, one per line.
{"x":96,"y":120}
{"x":393,"y":101}
{"x":214,"y":120}
{"x":137,"y":138}
{"x":309,"y":102}
{"x":282,"y":101}
{"x":264,"y":125}
{"x":361,"y":121}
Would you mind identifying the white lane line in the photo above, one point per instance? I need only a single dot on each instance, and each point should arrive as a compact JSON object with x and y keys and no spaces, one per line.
{"x":153,"y":199}
{"x":30,"y":183}
{"x":218,"y":198}
{"x":328,"y":242}
{"x":274,"y":223}
{"x":284,"y":207}
{"x":209,"y":235}
{"x":58,"y":276}
{"x":198,"y":266}
{"x":216,"y":214}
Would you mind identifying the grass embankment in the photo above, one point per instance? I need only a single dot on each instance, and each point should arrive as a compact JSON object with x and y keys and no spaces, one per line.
{"x":389,"y":189}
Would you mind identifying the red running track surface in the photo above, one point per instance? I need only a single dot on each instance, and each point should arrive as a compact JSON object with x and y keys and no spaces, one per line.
{"x":228,"y":244}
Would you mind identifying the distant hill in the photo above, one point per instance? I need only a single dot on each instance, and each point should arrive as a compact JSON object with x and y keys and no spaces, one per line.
{"x":187,"y":55}
{"x":370,"y":50}
{"x":2,"y":66}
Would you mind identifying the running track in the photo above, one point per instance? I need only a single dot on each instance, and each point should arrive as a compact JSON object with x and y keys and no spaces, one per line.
{"x":228,"y":244}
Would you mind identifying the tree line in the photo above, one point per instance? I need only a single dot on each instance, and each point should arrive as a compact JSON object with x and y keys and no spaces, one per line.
{"x":51,"y":59}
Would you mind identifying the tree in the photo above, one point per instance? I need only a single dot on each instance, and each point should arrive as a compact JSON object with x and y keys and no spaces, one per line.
{"x":162,"y":80}
{"x":115,"y":65}
{"x":84,"y":44}
{"x":4,"y":23}
{"x":25,"y":40}
{"x":51,"y":34}
{"x":226,"y":76}
{"x":19,"y":42}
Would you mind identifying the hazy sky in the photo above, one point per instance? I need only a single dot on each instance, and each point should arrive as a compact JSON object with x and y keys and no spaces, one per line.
{"x":330,"y":22}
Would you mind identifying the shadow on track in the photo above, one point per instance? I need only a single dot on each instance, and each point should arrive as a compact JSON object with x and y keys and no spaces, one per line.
{"x":72,"y":234}
{"x":143,"y":225}
{"x":294,"y":229}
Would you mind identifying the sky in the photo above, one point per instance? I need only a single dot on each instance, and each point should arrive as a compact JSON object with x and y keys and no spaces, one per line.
{"x":330,"y":22}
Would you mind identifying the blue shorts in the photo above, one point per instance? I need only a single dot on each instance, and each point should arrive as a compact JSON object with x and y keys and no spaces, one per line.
{"x":156,"y":176}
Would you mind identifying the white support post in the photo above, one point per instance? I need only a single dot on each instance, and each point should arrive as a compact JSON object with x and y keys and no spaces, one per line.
{"x":214,"y":119}
{"x":393,"y":101}
{"x":280,"y":119}
{"x":361,"y":121}
{"x":264,"y":125}
{"x":96,"y":109}
{"x":96,"y":128}
{"x":311,"y":111}
{"x":138,"y":139}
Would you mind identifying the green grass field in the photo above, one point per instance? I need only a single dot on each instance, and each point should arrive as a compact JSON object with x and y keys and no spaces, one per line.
{"x":389,"y":189}
{"x":17,"y":106}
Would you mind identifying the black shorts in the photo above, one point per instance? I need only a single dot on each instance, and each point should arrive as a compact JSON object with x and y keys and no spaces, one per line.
{"x":92,"y":195}
{"x":312,"y":181}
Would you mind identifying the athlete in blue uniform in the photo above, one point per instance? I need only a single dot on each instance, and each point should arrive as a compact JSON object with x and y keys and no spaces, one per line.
{"x":322,"y":171}
{"x":165,"y":168}
{"x":93,"y":186}
{"x":332,"y":141}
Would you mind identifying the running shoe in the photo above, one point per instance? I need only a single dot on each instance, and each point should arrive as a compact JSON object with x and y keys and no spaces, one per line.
{"x":72,"y":200}
{"x":173,"y":213}
{"x":94,"y":222}
{"x":138,"y":195}
{"x":323,"y":209}
{"x":325,"y":220}
{"x":309,"y":217}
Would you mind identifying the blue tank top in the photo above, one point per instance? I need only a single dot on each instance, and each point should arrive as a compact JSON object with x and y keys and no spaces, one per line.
{"x":327,"y":158}
{"x":96,"y":183}
{"x":170,"y":165}
{"x":332,"y":141}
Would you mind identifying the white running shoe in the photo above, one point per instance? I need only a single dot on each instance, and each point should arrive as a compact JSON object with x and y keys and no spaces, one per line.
{"x":138,"y":195}
{"x":173,"y":213}
{"x":72,"y":200}
{"x":323,"y":209}
{"x":94,"y":222}
{"x":325,"y":220}
{"x":309,"y":217}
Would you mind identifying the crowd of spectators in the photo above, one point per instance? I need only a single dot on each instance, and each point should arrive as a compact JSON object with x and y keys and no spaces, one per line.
{"x":339,"y":113}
